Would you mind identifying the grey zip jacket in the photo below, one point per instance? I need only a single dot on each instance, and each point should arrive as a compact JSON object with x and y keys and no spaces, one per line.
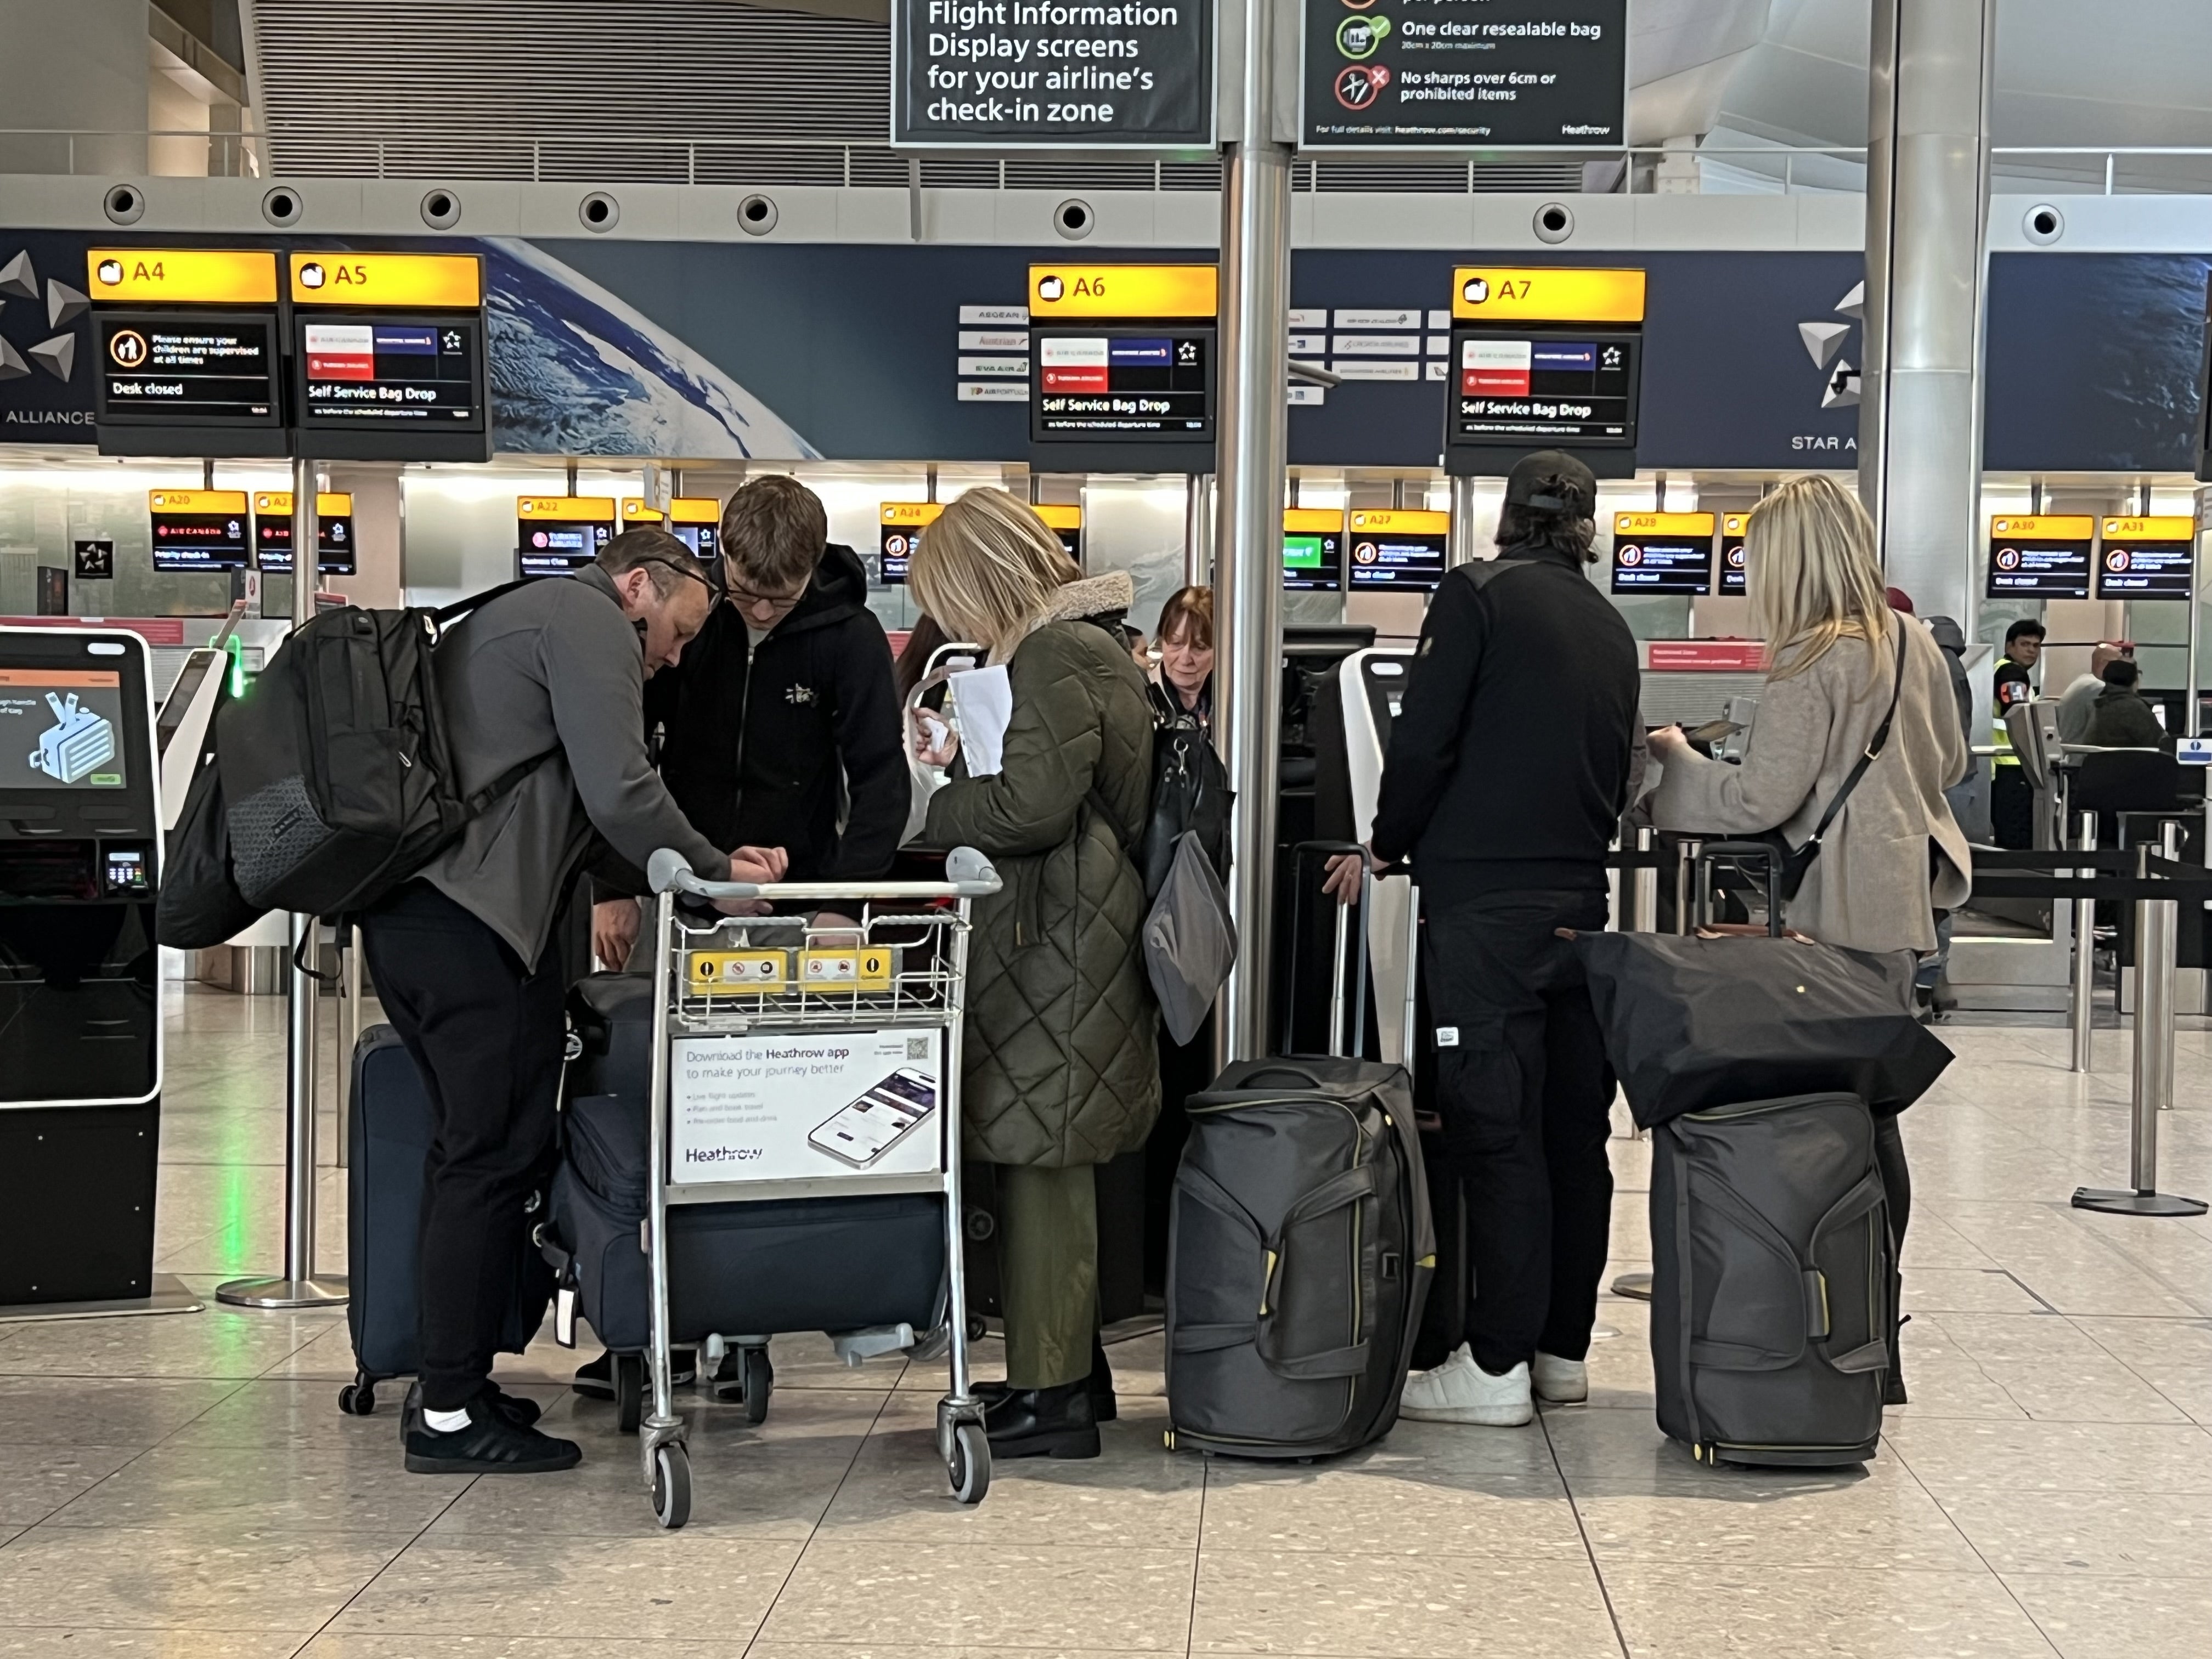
{"x":553,"y":669}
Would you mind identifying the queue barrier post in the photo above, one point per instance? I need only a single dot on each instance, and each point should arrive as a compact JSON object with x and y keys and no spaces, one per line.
{"x":2085,"y":949}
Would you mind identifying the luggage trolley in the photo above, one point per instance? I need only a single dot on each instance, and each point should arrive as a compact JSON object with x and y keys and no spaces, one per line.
{"x":736,"y":1087}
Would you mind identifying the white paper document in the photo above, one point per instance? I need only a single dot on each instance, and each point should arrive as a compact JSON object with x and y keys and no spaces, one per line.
{"x":983,"y":699}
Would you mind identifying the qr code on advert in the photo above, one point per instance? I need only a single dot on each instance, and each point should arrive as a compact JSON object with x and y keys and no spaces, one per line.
{"x":917,"y":1048}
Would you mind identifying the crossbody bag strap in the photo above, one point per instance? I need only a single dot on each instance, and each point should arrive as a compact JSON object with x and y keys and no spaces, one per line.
{"x":1875,"y":744}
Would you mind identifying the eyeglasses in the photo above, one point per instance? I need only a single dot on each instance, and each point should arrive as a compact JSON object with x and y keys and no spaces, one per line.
{"x":745,"y":600}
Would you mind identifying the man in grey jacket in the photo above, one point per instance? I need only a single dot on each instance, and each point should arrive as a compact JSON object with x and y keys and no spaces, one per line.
{"x":550,"y":678}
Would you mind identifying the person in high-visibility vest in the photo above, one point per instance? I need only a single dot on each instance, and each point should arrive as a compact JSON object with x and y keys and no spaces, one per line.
{"x":2012,"y":797}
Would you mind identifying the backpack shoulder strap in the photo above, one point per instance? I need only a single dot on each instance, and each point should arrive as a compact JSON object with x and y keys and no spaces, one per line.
{"x":1483,"y":572}
{"x":445,"y":614}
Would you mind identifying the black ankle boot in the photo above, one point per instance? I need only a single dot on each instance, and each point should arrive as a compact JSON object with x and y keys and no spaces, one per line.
{"x":1100,"y":1384}
{"x":1054,"y":1422}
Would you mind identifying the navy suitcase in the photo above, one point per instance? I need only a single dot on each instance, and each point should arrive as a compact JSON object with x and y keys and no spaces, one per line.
{"x":389,"y":1129}
{"x":753,"y":1269}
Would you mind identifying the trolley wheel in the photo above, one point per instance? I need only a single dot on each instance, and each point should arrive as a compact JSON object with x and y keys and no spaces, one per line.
{"x":977,"y":1330}
{"x":671,"y":1486}
{"x":759,"y":1383}
{"x":358,"y":1397}
{"x":969,"y":1466}
{"x":630,"y":1391}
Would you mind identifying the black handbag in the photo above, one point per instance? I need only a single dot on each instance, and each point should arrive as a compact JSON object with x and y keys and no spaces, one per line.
{"x":1792,"y":863}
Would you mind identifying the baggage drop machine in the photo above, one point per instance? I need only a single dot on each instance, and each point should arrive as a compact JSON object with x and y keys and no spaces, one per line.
{"x":80,"y":976}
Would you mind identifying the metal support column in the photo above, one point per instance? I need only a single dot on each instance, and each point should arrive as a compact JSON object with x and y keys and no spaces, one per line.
{"x":1460,"y":549}
{"x":2156,"y":924}
{"x":1920,"y":413}
{"x":1255,"y":271}
{"x":299,"y":1286}
{"x":2192,"y":720}
{"x":2085,"y":948}
{"x":1198,"y":530}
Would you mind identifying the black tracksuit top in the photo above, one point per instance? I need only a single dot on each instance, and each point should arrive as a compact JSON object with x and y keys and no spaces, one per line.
{"x":1508,"y":759}
{"x":772,"y":748}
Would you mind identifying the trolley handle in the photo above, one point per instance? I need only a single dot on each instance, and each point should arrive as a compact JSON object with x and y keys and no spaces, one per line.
{"x":970,"y":872}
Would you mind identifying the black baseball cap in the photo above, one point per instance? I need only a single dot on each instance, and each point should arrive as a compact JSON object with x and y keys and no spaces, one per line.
{"x":1553,"y":481}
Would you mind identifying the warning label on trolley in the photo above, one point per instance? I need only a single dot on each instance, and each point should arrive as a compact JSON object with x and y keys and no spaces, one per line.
{"x":789,"y":1107}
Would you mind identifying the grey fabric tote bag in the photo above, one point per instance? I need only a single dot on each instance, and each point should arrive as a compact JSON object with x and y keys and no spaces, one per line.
{"x":1190,"y":942}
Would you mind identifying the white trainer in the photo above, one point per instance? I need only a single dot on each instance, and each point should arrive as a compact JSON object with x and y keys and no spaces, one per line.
{"x":1460,"y":1391}
{"x":1560,"y":1381}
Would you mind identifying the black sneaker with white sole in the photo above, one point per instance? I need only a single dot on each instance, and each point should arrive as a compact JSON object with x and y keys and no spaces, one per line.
{"x":515,"y":1409}
{"x":490,"y":1444}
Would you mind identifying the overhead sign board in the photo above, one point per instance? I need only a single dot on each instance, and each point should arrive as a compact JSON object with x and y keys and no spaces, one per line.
{"x":2040,"y":558}
{"x":1733,"y":570}
{"x":1463,"y":74}
{"x":1044,"y":74}
{"x":556,"y":535}
{"x":1065,"y":521}
{"x":1121,"y":357}
{"x":1313,"y":549}
{"x":186,"y":351}
{"x":1663,"y":553}
{"x":1544,"y":357}
{"x":1396,"y":550}
{"x":902,"y":525}
{"x":1547,"y":294}
{"x":197,"y":529}
{"x":695,"y":521}
{"x":272,"y":532}
{"x":2145,"y":558}
{"x":389,"y":356}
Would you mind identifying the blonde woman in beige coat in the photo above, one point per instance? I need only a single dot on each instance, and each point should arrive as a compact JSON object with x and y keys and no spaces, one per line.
{"x":1894,"y":854}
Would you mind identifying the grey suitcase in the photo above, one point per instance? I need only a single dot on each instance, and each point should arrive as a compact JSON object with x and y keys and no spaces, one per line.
{"x":1299,"y":1251}
{"x":1773,"y":1301}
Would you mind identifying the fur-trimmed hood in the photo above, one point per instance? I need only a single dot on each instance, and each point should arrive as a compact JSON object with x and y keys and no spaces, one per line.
{"x":1093,"y":599}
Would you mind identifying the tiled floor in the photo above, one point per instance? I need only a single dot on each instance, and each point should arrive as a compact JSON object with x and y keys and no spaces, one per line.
{"x":186,"y":1486}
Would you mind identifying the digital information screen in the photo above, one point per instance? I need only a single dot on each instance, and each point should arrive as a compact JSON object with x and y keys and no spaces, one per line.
{"x":558,"y":535}
{"x":198,"y":529}
{"x":902,"y":525}
{"x":1123,"y":383}
{"x":1437,"y":73}
{"x":1663,"y":553}
{"x":695,"y":521}
{"x":1398,"y":551}
{"x":186,"y":370}
{"x":360,"y":371}
{"x":2145,"y":558}
{"x":1732,"y":565}
{"x":272,"y":532}
{"x":1546,"y":388}
{"x":67,"y":726}
{"x":2045,"y":558}
{"x":1313,"y":550}
{"x":1065,"y":522}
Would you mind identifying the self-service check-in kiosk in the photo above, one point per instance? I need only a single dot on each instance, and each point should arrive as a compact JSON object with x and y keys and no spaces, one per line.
{"x":1372,"y":686}
{"x":80,"y":976}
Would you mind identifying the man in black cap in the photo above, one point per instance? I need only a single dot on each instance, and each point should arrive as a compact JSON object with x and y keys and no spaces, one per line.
{"x":1507,"y":775}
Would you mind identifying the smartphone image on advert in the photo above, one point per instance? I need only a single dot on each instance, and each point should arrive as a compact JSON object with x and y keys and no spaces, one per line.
{"x":864,"y":1131}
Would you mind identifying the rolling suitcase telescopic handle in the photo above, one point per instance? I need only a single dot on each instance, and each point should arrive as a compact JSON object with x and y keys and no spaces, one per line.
{"x":1742,"y":853}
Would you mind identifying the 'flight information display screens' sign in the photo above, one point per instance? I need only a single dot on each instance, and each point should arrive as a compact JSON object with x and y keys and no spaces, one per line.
{"x":1397,"y":550}
{"x":1447,"y":74}
{"x":1542,"y":357}
{"x":1663,"y":553}
{"x":1043,"y":75}
{"x":2040,"y":558}
{"x":389,"y":354}
{"x":2145,"y":558}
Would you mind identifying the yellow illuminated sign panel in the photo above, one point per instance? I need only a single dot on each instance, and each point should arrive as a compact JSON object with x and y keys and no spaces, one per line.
{"x":2176,"y":529}
{"x":170,"y":275}
{"x":197,"y":500}
{"x":1670,"y":524}
{"x":635,"y":511}
{"x":1089,"y":291}
{"x":591,"y":508}
{"x":1733,"y":523}
{"x":328,"y":504}
{"x":1312,"y":520}
{"x":2065,"y":527}
{"x":696,"y":510}
{"x":915,"y":514}
{"x":1403,"y":522}
{"x":451,"y":280}
{"x":1059,"y":517}
{"x":1546,"y":294}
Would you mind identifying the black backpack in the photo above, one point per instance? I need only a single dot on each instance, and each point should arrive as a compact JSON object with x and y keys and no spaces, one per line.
{"x":337,"y":780}
{"x":1190,"y":793}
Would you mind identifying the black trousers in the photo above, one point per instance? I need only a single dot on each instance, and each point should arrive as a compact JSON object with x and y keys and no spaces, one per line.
{"x":487,"y":1032}
{"x":2012,"y":807}
{"x":1525,"y":1094}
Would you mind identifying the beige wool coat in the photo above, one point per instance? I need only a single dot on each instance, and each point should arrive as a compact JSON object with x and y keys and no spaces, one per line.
{"x":1874,"y":886}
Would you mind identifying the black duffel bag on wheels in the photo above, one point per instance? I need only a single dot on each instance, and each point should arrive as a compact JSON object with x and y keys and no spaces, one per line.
{"x":1299,"y":1253}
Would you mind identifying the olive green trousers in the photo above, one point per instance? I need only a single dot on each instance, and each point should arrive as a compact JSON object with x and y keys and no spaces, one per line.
{"x":1049,"y":1272}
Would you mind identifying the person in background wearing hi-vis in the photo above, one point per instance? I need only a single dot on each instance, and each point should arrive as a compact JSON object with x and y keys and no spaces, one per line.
{"x":2012,"y":797}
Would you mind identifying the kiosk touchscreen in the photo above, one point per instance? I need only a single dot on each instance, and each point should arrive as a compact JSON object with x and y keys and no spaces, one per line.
{"x":80,"y":976}
{"x":559,"y":535}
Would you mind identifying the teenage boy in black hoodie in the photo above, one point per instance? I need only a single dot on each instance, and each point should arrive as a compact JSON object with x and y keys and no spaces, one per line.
{"x":781,"y":716}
